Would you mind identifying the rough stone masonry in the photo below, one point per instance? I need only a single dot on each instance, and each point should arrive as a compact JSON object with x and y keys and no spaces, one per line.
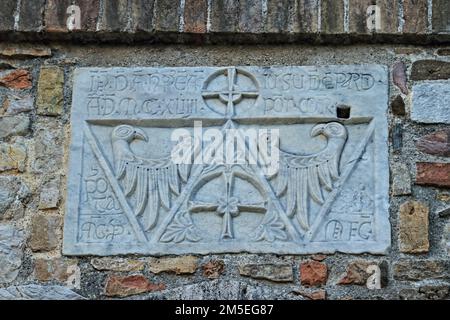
{"x":91,"y":209}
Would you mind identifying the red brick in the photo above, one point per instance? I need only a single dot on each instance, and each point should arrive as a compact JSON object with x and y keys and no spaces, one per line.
{"x":437,"y":143}
{"x":8,"y":8}
{"x":433,"y":174}
{"x":415,"y":16}
{"x":55,"y":17}
{"x":142,"y":15}
{"x":313,"y":273}
{"x":167,"y":15}
{"x":17,"y":79}
{"x":195,"y":16}
{"x":90,"y":10}
{"x":332,"y":16}
{"x":118,"y":286}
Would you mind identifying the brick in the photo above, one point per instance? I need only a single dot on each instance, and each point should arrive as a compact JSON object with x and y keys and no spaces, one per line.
{"x":18,"y":79}
{"x":177,"y":265}
{"x":430,"y":70}
{"x":115,"y":16}
{"x":44,"y":232}
{"x":399,"y":76}
{"x":50,"y":93}
{"x":90,"y":11}
{"x":433,"y":174}
{"x":13,"y":156}
{"x":250,"y":16}
{"x":224,"y":16}
{"x":332,"y":20}
{"x":268,"y":271}
{"x":7,"y":12}
{"x":167,"y":15}
{"x":31,"y":13}
{"x":142,"y":15}
{"x":414,"y":270}
{"x":413,"y":227}
{"x":313,"y":273}
{"x":441,"y":16}
{"x":58,"y":269}
{"x":436,"y":143}
{"x":358,"y":16}
{"x":415,"y":16}
{"x":195,"y":16}
{"x":398,"y":107}
{"x":117,"y":286}
{"x":213,"y":269}
{"x":117,"y":264}
{"x":55,"y":16}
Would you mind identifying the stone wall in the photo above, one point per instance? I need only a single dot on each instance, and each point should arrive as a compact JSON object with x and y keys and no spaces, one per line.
{"x":35,"y":103}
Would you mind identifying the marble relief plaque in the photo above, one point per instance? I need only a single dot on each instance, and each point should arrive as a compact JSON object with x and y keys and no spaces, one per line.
{"x":284,"y":160}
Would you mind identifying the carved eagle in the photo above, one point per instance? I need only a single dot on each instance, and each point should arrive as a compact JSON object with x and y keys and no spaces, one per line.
{"x":301,"y":177}
{"x":151,"y":181}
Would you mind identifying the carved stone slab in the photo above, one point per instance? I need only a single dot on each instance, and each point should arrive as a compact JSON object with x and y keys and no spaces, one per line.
{"x":329,"y":193}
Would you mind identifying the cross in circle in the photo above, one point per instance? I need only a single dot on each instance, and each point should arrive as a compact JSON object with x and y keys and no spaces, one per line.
{"x":228,"y":207}
{"x":231,"y":94}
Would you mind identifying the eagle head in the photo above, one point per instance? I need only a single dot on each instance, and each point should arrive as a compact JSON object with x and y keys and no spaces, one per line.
{"x":128,"y":133}
{"x":330,"y":130}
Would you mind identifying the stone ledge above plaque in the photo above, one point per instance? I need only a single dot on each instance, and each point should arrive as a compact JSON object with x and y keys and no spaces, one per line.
{"x":125,"y":195}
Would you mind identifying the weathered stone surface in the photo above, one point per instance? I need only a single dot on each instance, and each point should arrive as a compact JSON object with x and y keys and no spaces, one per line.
{"x":358,"y":273}
{"x":11,"y":252}
{"x":414,"y":18}
{"x":117,"y":264}
{"x":413,"y":227}
{"x":58,"y":269}
{"x":224,"y":16}
{"x":115,"y":15}
{"x":38,"y":292}
{"x":414,"y":270}
{"x":13,"y":105}
{"x":436,"y":143}
{"x":250,"y":16}
{"x":118,"y":286}
{"x":443,"y":196}
{"x":14,"y":126}
{"x":398,"y":106}
{"x":399,"y":76}
{"x":13,"y":156}
{"x":44,"y":232}
{"x":313,"y":273}
{"x":50,"y":95}
{"x":31,"y":15}
{"x":48,"y":150}
{"x":429,"y":292}
{"x":433,"y":174}
{"x":332,"y":16}
{"x":281,"y":16}
{"x":13,"y":194}
{"x":7,"y":15}
{"x":268,"y":271}
{"x":167,"y":15}
{"x":430,"y":70}
{"x":55,"y":15}
{"x":142,"y":15}
{"x":443,"y":52}
{"x":49,"y":197}
{"x":195,"y":16}
{"x":397,"y":137}
{"x":213,"y":269}
{"x":364,"y":18}
{"x":444,"y":212}
{"x":311,"y":295}
{"x":89,"y":11}
{"x":431,"y":102}
{"x":177,"y":265}
{"x":308,"y":16}
{"x":17,"y":79}
{"x":25,"y":51}
{"x":441,"y":16}
{"x":401,"y":179}
{"x":113,"y":124}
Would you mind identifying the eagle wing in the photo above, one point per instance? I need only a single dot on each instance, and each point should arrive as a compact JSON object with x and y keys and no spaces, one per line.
{"x":151,"y":181}
{"x":302,"y":177}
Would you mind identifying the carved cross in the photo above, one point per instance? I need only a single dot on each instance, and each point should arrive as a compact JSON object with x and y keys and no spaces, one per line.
{"x":228,"y":207}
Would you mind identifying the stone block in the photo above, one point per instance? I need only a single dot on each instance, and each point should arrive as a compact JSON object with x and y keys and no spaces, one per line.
{"x":431,"y":102}
{"x":433,"y":174}
{"x":413,"y":227}
{"x":11,"y":253}
{"x":436,"y":143}
{"x":430,"y":70}
{"x":195,"y":16}
{"x":50,"y":94}
{"x":177,"y":265}
{"x":44,"y":232}
{"x":268,"y":271}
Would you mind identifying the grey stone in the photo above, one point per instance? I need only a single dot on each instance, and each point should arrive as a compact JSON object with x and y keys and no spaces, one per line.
{"x":401,"y":179}
{"x":11,"y":254}
{"x":48,"y":149}
{"x":14,"y":126}
{"x":268,"y":271}
{"x":49,"y":196}
{"x":38,"y":292}
{"x":16,"y":104}
{"x":431,"y":102}
{"x":13,"y":194}
{"x":126,"y":194}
